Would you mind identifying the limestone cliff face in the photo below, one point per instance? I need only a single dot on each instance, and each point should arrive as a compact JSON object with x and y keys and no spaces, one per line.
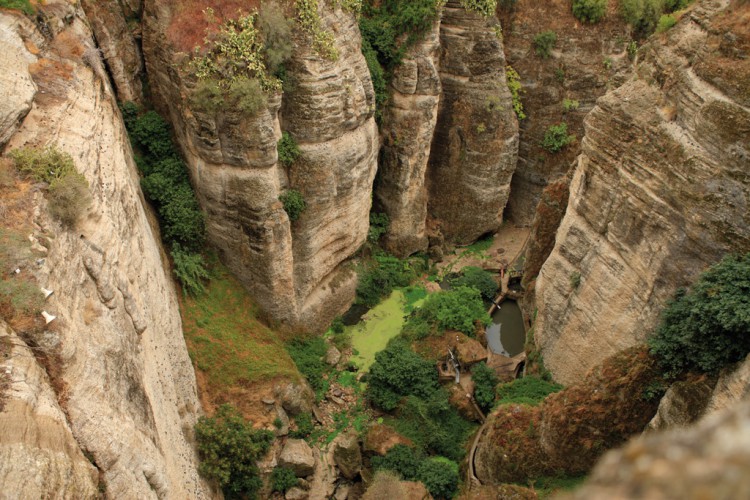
{"x":474,"y":150}
{"x":39,"y":457}
{"x":660,"y":193}
{"x":586,"y":62}
{"x":295,"y":270}
{"x":408,"y":128}
{"x":131,"y":398}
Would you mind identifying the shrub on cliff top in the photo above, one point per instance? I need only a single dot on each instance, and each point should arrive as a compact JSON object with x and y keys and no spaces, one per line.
{"x":706,"y":328}
{"x":590,"y":11}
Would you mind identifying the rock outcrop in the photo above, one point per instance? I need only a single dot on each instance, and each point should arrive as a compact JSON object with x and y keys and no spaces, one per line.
{"x":660,"y":193}
{"x":408,"y":127}
{"x":131,"y":396}
{"x":298,"y":456}
{"x":295,"y":270}
{"x":39,"y":457}
{"x":586,"y":61}
{"x":17,"y":88}
{"x":474,"y":151}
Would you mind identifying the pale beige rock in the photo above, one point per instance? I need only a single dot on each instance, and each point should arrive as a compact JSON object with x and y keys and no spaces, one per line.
{"x":39,"y":457}
{"x":659,"y":194}
{"x":683,"y":404}
{"x":347,"y":454}
{"x":408,"y":127}
{"x":298,"y":456}
{"x":733,"y":386}
{"x":17,"y":88}
{"x":132,"y":400}
{"x":475,"y":148}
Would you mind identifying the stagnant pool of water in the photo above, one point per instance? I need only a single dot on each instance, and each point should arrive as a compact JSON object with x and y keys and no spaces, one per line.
{"x":505,"y":335}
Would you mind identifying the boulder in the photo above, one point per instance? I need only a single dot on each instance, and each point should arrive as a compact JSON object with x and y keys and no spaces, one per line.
{"x":298,"y":456}
{"x":347,"y":455}
{"x":295,"y":398}
{"x":296,"y":494}
{"x":333,"y":356}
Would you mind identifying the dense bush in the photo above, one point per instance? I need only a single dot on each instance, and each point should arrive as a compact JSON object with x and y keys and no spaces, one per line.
{"x":706,"y":328}
{"x":379,"y":223}
{"x":440,"y":475}
{"x":544,"y":42}
{"x":665,"y":22}
{"x":556,"y":137}
{"x":294,"y":203}
{"x":304,"y":426}
{"x":246,"y":95}
{"x":207,"y":96}
{"x":483,"y":7}
{"x":378,"y":278}
{"x":151,"y":134}
{"x":283,"y":479}
{"x":477,"y":278}
{"x":514,"y":85}
{"x":590,"y":11}
{"x":229,"y":448}
{"x":402,"y":459}
{"x":398,"y":372}
{"x":190,"y":270}
{"x":288,"y":149}
{"x":528,"y":390}
{"x":485,"y":380}
{"x":308,"y":356}
{"x":647,"y":15}
{"x":458,"y":309}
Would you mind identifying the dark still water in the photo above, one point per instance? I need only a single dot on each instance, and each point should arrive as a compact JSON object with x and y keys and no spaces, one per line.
{"x":505,"y":335}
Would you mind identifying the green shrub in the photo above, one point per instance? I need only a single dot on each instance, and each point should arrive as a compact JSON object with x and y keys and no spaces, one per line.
{"x":478,"y":279}
{"x":190,"y":270}
{"x":379,"y":223}
{"x":570,"y":105}
{"x":277,"y":36}
{"x":294,"y":203}
{"x":378,"y":77}
{"x":304,"y":426}
{"x":69,"y":197}
{"x":308,"y":356}
{"x":440,"y":476}
{"x":378,"y":278}
{"x":246,"y":94}
{"x":665,"y":22}
{"x":402,"y":459}
{"x":528,"y":390}
{"x":642,"y":15}
{"x":590,"y":11}
{"x":544,"y":42}
{"x":183,"y":219}
{"x":458,"y":309}
{"x":151,"y":134}
{"x":337,"y":326}
{"x":556,"y":137}
{"x":288,"y":150}
{"x":283,"y":479}
{"x":22,"y":5}
{"x":706,"y":328}
{"x":397,"y":372}
{"x":229,"y":448}
{"x":417,"y":328}
{"x":485,"y":380}
{"x":44,"y":165}
{"x":207,"y":96}
{"x":483,"y":7}
{"x":514,"y":85}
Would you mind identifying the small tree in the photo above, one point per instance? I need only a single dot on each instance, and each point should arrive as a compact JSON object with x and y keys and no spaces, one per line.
{"x":590,"y":11}
{"x":706,"y":328}
{"x":283,"y":479}
{"x":229,"y":447}
{"x":440,"y":475}
{"x":556,"y":137}
{"x":544,"y":42}
{"x":485,"y":380}
{"x":288,"y":149}
{"x":457,"y":309}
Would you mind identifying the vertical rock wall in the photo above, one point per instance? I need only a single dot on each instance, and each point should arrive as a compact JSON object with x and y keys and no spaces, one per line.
{"x":660,"y":192}
{"x":475,"y":147}
{"x":408,"y":127}
{"x":131,"y":401}
{"x":295,"y":270}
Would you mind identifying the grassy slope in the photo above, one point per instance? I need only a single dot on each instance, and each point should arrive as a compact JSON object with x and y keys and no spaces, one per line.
{"x":227,"y":342}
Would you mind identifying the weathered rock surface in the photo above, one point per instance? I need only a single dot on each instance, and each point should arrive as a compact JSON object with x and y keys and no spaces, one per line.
{"x":131,"y":398}
{"x":475,"y":148}
{"x":298,"y":456}
{"x":586,"y":62}
{"x":683,"y":404}
{"x":17,"y":88}
{"x":294,"y":270}
{"x":380,"y":438}
{"x":408,"y":127}
{"x":710,"y":460}
{"x":295,"y":398}
{"x":660,"y":193}
{"x":39,"y":457}
{"x":347,"y":455}
{"x":117,"y":33}
{"x":733,"y":386}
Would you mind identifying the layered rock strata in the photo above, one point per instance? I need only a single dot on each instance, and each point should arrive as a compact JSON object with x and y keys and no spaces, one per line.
{"x":131,"y":398}
{"x":473,"y":154}
{"x":660,"y":193}
{"x":408,"y":127}
{"x":295,"y":270}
